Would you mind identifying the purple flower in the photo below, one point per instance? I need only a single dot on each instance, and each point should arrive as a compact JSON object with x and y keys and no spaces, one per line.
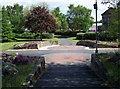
{"x":19,"y":59}
{"x":4,"y":55}
{"x":113,"y":58}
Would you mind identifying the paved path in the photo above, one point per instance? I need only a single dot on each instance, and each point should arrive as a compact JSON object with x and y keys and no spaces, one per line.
{"x":66,"y":66}
{"x":67,"y":42}
{"x":69,"y":69}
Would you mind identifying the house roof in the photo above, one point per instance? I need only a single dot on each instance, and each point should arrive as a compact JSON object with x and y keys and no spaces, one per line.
{"x":108,"y":11}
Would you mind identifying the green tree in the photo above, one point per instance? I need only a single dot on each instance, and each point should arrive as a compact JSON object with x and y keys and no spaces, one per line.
{"x":39,"y":20}
{"x":7,"y":27}
{"x":60,"y":18}
{"x":79,"y":18}
{"x":16,"y":17}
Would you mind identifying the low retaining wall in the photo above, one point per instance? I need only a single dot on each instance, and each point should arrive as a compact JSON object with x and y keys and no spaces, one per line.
{"x":101,"y":71}
{"x":98,"y":67}
{"x":35,"y":74}
{"x":92,"y":44}
{"x":35,"y":45}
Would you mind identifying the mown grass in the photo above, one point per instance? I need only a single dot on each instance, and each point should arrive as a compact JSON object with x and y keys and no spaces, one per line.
{"x":16,"y":80}
{"x":73,"y":39}
{"x":9,"y":45}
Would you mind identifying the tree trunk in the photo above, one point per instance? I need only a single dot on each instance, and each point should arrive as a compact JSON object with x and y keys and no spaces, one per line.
{"x":40,"y":36}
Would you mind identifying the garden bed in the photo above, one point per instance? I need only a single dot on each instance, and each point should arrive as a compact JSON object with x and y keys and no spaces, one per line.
{"x":101,"y":44}
{"x":35,"y":44}
{"x":15,"y":69}
{"x":107,"y":66}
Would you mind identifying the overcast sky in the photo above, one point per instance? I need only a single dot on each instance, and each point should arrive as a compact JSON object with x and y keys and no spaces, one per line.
{"x":63,"y":4}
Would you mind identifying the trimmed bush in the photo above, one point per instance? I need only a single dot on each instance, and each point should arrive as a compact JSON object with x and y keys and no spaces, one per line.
{"x":34,"y":36}
{"x":80,"y":36}
{"x":58,"y":32}
{"x":26,"y":35}
{"x":86,"y":36}
{"x":69,"y":33}
{"x":90,"y":36}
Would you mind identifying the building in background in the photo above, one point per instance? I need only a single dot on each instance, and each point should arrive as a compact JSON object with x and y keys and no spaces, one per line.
{"x":106,"y":17}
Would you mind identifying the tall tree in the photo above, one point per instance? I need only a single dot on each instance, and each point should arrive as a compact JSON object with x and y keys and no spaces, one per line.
{"x":7,"y":27}
{"x":16,"y":17}
{"x":39,"y":20}
{"x":79,"y":18}
{"x":60,"y":18}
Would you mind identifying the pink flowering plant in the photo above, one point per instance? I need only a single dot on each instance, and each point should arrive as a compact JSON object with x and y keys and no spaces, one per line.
{"x":115,"y":58}
{"x":111,"y":61}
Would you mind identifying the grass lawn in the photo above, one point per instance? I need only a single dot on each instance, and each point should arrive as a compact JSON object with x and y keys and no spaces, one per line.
{"x":73,"y":39}
{"x":9,"y":45}
{"x":18,"y":79}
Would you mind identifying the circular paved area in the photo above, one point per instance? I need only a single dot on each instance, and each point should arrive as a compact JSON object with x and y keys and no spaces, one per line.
{"x":67,"y":58}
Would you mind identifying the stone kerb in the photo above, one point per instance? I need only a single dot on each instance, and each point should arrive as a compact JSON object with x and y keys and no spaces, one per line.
{"x":35,"y":74}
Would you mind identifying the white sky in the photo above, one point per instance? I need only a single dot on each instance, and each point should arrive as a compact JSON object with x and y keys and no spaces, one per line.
{"x":63,"y":4}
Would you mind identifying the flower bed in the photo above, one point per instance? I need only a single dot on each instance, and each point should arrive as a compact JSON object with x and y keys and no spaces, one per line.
{"x":34,"y":45}
{"x":107,"y":66}
{"x":15,"y":69}
{"x":101,"y":44}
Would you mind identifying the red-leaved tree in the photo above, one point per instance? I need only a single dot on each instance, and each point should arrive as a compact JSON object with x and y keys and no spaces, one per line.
{"x":40,"y":20}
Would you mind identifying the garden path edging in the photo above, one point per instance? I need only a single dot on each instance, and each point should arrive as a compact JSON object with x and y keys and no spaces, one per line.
{"x":35,"y":74}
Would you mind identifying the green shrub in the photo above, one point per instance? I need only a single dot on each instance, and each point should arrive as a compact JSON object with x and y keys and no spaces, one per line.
{"x":8,"y":68}
{"x":8,"y":36}
{"x":106,"y":37}
{"x":80,"y":36}
{"x":86,"y":36}
{"x":58,"y":32}
{"x":34,"y":36}
{"x":69,"y":33}
{"x":26,"y":35}
{"x":47,"y":35}
{"x":90,"y":36}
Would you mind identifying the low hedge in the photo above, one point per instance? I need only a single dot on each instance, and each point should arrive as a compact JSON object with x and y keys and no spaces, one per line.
{"x":58,"y":32}
{"x":34,"y":36}
{"x":80,"y":36}
{"x":92,"y":36}
{"x":69,"y":33}
{"x":66,"y":33}
{"x":87,"y":36}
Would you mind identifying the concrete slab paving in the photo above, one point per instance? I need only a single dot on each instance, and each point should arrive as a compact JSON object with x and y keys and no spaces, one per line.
{"x":69,"y":70}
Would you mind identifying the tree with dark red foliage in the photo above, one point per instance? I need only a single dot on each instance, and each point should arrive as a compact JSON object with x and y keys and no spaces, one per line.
{"x":39,"y":20}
